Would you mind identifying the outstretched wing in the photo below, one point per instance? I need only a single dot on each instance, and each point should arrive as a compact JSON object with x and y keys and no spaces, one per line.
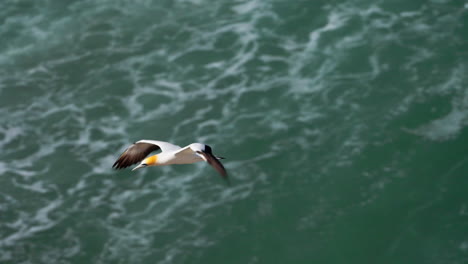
{"x":184,"y":151}
{"x":165,"y":146}
{"x":208,"y":157}
{"x":214,"y":162}
{"x":135,"y":153}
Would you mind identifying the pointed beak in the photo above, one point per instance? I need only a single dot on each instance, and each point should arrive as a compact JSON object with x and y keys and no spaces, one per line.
{"x":139,"y":166}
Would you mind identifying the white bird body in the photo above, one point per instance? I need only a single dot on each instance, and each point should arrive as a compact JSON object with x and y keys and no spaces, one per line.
{"x":170,"y":154}
{"x":170,"y":158}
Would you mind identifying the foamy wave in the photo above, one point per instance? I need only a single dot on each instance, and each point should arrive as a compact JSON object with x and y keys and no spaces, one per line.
{"x":236,"y":78}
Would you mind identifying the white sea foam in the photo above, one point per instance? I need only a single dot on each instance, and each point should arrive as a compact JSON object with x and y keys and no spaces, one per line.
{"x":451,"y":124}
{"x":303,"y":109}
{"x":246,"y":7}
{"x":446,"y":127}
{"x":39,"y":221}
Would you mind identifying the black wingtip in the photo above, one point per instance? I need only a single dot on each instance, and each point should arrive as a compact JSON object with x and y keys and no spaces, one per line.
{"x":116,"y":166}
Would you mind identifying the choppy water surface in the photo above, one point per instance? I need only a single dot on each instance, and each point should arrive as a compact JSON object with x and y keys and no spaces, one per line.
{"x":344,"y":124}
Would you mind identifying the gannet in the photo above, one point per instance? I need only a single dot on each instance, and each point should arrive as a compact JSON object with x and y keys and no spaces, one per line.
{"x":170,"y":154}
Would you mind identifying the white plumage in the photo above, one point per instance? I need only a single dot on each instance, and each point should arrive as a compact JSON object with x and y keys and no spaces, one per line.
{"x":170,"y":154}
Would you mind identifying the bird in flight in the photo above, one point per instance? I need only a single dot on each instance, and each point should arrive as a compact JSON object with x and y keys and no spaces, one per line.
{"x":170,"y":154}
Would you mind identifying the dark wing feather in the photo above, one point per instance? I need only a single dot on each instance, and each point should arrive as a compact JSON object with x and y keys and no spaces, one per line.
{"x":134,"y":154}
{"x":214,"y":162}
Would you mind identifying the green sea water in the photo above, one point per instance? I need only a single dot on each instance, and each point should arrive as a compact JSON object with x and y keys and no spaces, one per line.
{"x":343,"y":123}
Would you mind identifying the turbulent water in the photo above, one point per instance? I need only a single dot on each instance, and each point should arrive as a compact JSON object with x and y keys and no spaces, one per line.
{"x":344,"y":124}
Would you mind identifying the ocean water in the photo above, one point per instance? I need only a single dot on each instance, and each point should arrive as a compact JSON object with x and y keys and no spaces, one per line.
{"x":344,"y":124}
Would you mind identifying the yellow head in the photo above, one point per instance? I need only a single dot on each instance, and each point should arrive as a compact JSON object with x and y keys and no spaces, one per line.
{"x":150,"y":161}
